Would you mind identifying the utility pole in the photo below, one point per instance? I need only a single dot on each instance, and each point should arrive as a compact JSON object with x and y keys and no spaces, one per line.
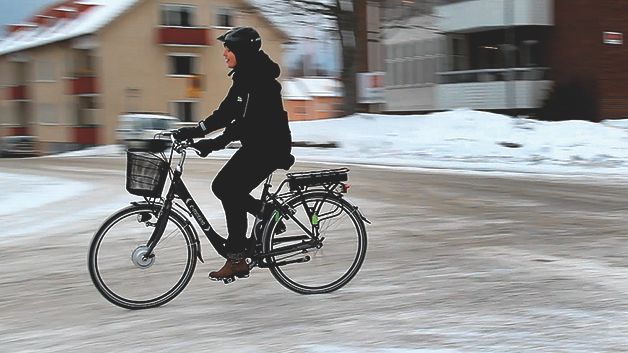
{"x":510,"y":52}
{"x":361,"y":48}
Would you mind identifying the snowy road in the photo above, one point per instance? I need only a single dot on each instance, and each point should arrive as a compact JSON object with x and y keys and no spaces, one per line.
{"x":456,"y":263}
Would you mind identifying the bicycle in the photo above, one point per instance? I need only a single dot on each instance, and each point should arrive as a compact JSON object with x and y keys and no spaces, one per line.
{"x":145,"y":254}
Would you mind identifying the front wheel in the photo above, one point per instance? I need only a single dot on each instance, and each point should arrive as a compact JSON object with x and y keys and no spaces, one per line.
{"x":122,"y":272}
{"x":339,"y":254}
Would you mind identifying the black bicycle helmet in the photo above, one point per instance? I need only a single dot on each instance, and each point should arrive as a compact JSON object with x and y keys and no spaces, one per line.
{"x":242,"y":40}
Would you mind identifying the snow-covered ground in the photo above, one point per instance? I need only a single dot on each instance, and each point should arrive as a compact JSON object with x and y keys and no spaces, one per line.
{"x":460,"y":140}
{"x":497,"y":271}
{"x":472,"y":140}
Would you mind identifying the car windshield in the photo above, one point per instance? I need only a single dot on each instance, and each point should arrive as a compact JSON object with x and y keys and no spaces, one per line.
{"x":157,"y":124}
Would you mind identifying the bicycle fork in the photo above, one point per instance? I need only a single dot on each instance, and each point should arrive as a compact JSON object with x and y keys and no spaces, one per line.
{"x":160,"y":227}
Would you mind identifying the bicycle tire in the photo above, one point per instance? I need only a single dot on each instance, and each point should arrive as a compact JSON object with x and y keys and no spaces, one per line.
{"x":120,"y":245}
{"x":307,"y":277}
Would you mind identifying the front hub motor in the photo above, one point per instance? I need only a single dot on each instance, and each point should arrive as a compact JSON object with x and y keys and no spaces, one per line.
{"x":140,"y":259}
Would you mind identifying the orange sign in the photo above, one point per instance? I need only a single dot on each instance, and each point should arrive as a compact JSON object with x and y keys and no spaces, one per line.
{"x":195,"y":86}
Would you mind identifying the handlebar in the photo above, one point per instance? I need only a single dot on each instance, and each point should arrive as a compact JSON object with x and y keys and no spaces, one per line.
{"x":178,"y":146}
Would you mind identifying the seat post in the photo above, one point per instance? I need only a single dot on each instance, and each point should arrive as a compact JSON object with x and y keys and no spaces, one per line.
{"x":267,"y":186}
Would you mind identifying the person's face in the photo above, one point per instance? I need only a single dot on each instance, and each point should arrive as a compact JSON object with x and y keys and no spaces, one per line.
{"x":230,"y":58}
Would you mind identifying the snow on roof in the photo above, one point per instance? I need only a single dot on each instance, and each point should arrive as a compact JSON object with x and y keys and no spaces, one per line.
{"x":292,"y":91}
{"x":88,"y":21}
{"x":319,"y":86}
{"x":66,"y":9}
{"x":310,"y":87}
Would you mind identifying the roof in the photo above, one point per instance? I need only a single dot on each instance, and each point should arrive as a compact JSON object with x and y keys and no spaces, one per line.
{"x":307,"y":88}
{"x":68,"y":19}
{"x":91,"y":15}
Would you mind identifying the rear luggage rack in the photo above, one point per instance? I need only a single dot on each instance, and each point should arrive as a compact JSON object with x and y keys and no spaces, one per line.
{"x":301,"y":180}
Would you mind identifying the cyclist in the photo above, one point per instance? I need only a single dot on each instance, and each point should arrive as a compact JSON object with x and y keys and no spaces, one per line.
{"x":252,"y":112}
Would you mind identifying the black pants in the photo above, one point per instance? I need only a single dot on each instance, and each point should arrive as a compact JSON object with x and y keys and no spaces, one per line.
{"x":233,"y":185}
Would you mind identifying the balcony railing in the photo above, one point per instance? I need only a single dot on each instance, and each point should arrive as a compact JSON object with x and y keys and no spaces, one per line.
{"x":482,"y":15}
{"x":83,"y":85}
{"x":516,"y":88}
{"x":492,"y":75}
{"x":19,"y":131}
{"x":86,"y":134}
{"x":18,"y":93}
{"x":197,"y":36}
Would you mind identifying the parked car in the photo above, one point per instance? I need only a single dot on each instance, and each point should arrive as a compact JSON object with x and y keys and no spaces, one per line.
{"x":18,"y":146}
{"x":137,"y":130}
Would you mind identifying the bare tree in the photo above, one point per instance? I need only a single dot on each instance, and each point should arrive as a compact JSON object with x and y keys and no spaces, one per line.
{"x":338,"y":17}
{"x":342,"y":18}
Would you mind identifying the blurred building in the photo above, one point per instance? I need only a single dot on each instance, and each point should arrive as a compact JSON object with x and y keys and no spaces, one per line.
{"x":414,"y":52}
{"x":498,"y":54}
{"x":508,"y":55}
{"x":70,"y":70}
{"x":311,"y":98}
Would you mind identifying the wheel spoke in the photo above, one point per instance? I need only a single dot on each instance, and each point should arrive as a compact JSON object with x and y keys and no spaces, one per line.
{"x":344,"y":244}
{"x":127,"y":278}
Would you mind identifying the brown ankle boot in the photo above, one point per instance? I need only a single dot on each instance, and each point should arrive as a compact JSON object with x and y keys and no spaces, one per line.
{"x":232,"y":268}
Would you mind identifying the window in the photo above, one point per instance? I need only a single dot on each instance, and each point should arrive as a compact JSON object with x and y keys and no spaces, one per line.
{"x":69,"y":64}
{"x":178,"y":15}
{"x":86,"y":110}
{"x":83,"y":63}
{"x":45,"y":71}
{"x":390,"y":79}
{"x":47,"y":113}
{"x":430,"y":70}
{"x":458,"y":54}
{"x":182,"y":65}
{"x":224,"y":17}
{"x":4,"y":76}
{"x":300,"y":109}
{"x":418,"y":48}
{"x":184,"y":110}
{"x":70,"y":115}
{"x":407,"y":72}
{"x":398,"y":73}
{"x":530,"y":53}
{"x":418,"y":72}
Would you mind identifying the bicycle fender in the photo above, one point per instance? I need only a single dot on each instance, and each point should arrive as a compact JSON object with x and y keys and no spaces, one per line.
{"x":361,"y":215}
{"x":187,"y":225}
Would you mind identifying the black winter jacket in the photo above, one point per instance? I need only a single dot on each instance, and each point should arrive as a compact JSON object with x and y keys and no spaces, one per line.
{"x":253,"y":110}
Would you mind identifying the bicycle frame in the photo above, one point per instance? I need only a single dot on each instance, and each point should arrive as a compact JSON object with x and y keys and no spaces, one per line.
{"x":178,"y":189}
{"x":313,"y":205}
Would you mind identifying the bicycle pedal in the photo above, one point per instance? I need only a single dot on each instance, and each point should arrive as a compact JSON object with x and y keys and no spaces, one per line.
{"x":228,"y":280}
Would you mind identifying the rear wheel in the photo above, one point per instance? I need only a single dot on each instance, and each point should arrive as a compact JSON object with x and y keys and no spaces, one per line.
{"x":337,"y":258}
{"x":121,"y":271}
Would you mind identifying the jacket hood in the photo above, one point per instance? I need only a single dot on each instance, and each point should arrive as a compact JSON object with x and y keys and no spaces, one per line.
{"x":258,"y":65}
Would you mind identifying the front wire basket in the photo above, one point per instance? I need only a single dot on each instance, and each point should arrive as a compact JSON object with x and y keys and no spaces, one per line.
{"x":146,"y":173}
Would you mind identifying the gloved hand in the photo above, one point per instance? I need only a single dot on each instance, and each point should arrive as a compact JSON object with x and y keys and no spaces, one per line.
{"x":205,"y":147}
{"x":186,"y":133}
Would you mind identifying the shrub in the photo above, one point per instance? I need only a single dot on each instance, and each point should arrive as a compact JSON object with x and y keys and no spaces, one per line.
{"x":576,"y":100}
